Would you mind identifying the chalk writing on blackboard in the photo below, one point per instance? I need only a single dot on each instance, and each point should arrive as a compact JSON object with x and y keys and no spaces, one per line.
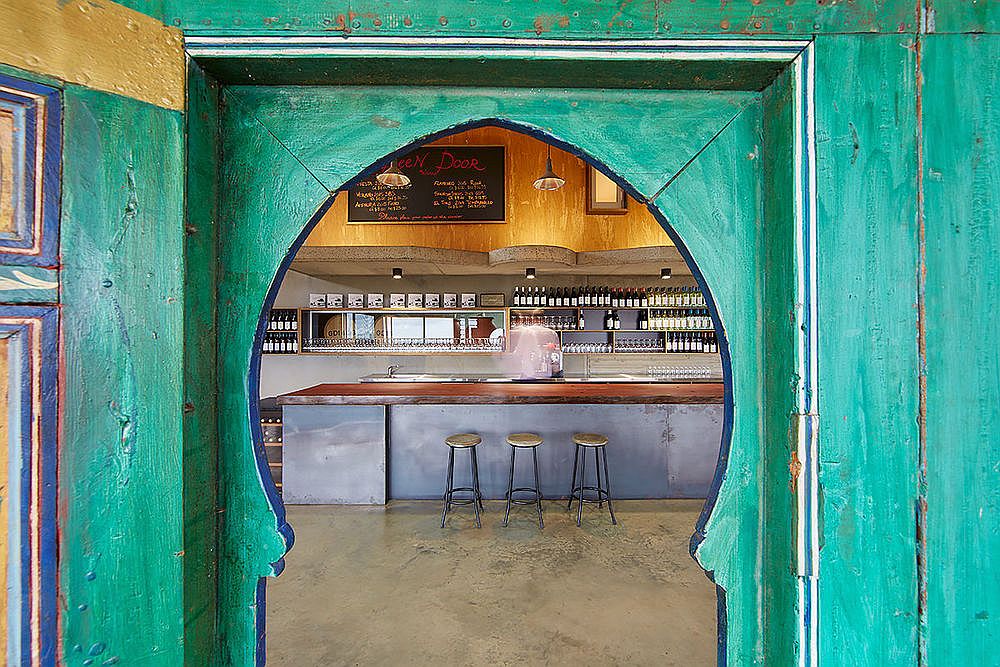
{"x":447,"y":184}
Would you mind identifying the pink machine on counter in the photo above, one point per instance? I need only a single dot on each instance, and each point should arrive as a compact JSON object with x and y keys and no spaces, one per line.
{"x":535,"y":353}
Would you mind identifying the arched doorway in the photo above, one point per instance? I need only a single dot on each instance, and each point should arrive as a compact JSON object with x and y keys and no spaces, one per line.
{"x":643,"y":226}
{"x":667,"y":125}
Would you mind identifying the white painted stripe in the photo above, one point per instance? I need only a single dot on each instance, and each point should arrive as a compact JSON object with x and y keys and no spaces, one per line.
{"x":721,"y":43}
{"x":350,"y":51}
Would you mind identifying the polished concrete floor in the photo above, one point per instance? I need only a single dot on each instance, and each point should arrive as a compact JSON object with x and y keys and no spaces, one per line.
{"x":387,"y":586}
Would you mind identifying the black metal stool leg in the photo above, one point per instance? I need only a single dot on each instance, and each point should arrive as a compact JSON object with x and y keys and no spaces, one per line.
{"x":510,"y":486}
{"x":572,"y":486}
{"x":538,"y":488}
{"x":607,"y":485}
{"x":597,"y":467}
{"x":475,"y":484}
{"x":475,"y":479}
{"x":583,"y":482}
{"x":448,"y":484}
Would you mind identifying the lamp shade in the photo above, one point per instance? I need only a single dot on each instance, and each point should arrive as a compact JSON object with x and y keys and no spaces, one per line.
{"x":549,"y":180}
{"x":393,"y":177}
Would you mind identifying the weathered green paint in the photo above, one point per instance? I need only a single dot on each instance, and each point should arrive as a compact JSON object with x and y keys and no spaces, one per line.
{"x":714,"y":205}
{"x":961,"y":178}
{"x":28,"y":284}
{"x":868,"y":351}
{"x":256,"y":209}
{"x":121,"y":529}
{"x":777,"y":581}
{"x":201,"y":453}
{"x":963,"y":16}
{"x":548,"y":18}
{"x":381,"y":120}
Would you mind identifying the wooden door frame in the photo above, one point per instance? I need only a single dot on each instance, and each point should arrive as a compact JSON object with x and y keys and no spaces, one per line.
{"x":799,"y":57}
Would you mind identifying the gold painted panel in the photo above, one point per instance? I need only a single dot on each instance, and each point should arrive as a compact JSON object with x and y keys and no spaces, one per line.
{"x":6,"y":171}
{"x":533,"y":217}
{"x":100,"y":45}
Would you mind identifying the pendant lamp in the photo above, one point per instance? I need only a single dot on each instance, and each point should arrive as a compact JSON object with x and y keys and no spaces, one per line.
{"x":549,"y":180}
{"x":393,"y":177}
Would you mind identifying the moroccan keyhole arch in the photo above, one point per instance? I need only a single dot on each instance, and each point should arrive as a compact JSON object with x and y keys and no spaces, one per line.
{"x":246,"y":284}
{"x":254,"y":377}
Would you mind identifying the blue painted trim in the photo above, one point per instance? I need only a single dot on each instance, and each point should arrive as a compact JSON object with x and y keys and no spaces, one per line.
{"x":722,"y":616}
{"x":51,"y":172}
{"x":47,"y":320}
{"x":260,"y":623}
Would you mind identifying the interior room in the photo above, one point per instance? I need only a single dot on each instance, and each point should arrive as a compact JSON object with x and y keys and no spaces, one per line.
{"x":488,"y":285}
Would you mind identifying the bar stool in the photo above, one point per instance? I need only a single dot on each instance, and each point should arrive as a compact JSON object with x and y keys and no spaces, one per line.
{"x":462,"y":441}
{"x":524,"y":441}
{"x":597,"y":442}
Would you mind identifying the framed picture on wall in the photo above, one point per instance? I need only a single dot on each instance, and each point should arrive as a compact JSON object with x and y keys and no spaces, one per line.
{"x":604,"y":196}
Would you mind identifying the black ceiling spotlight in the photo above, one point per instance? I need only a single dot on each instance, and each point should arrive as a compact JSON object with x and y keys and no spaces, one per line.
{"x":393,"y":177}
{"x":529,"y":273}
{"x":397,"y":273}
{"x":665,"y":273}
{"x":549,"y":180}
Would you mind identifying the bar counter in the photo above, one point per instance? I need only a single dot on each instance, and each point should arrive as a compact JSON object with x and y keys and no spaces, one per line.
{"x":372,"y":441}
{"x":505,"y":393}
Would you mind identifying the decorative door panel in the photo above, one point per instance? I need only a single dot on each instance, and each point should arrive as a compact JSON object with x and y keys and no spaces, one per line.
{"x":30,"y":156}
{"x":30,"y":117}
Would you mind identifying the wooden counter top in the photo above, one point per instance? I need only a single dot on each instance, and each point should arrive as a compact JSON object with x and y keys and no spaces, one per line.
{"x":493,"y":393}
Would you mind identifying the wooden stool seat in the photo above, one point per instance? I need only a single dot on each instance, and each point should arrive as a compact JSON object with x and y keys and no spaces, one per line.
{"x":524,"y":439}
{"x":463,"y":440}
{"x":590,"y":439}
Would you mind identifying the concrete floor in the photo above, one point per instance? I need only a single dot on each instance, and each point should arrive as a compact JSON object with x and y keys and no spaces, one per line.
{"x":387,"y":586}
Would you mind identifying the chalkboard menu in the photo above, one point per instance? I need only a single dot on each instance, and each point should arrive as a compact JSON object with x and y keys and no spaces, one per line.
{"x":447,"y":184}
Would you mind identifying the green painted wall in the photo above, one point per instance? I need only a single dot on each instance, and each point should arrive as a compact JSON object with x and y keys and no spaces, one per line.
{"x":201,"y":452}
{"x":120,"y":464}
{"x":550,"y":18}
{"x":776,"y":328}
{"x":961,"y":178}
{"x":868,"y":350}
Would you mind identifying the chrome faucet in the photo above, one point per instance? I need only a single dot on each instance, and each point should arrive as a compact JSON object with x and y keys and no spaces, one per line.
{"x":391,"y":371}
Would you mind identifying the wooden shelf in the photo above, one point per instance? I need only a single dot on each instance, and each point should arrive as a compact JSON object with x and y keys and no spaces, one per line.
{"x":533,"y":308}
{"x":397,"y":311}
{"x":387,"y":353}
